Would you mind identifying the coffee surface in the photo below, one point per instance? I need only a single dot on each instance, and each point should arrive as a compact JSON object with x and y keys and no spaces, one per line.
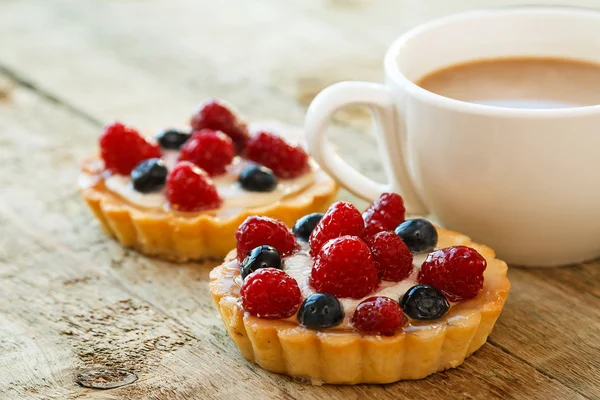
{"x":519,"y":82}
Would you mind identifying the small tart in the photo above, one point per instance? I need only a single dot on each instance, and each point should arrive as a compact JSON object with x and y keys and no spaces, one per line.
{"x":139,"y":222}
{"x":342,"y":355}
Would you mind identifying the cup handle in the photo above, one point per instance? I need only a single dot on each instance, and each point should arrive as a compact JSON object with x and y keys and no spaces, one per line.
{"x":378,"y":98}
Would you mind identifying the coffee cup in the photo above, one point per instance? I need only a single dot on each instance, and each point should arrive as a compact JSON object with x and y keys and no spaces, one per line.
{"x":524,"y":181}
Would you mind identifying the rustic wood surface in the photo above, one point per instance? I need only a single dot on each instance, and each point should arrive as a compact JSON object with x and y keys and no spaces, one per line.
{"x":72,"y":300}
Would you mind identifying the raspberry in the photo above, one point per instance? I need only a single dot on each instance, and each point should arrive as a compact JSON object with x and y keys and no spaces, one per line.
{"x":210,"y":150}
{"x":342,"y":218}
{"x":286,"y":160}
{"x":122,"y":148}
{"x":457,"y":271}
{"x":392,"y":258}
{"x":217,"y":115}
{"x":385,"y":214}
{"x":189,"y":188}
{"x":270,"y":293}
{"x":264,"y":231}
{"x":344,"y":267}
{"x":379,"y":316}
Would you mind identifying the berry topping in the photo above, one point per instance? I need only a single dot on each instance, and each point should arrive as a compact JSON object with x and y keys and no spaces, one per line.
{"x":393,"y":260}
{"x":385,"y":214}
{"x":379,"y":316}
{"x":218,"y":116}
{"x":122,"y":148}
{"x":260,"y":257}
{"x":320,"y":311}
{"x":210,"y":150}
{"x":418,"y":234}
{"x":256,"y":178}
{"x":270,"y":293}
{"x":457,"y":271}
{"x":189,"y":188}
{"x":149,"y":175}
{"x":344,"y":268}
{"x":258,"y":231}
{"x":171,"y":139}
{"x":342,"y":218}
{"x":424,"y":302}
{"x":305,"y":225}
{"x":286,"y":160}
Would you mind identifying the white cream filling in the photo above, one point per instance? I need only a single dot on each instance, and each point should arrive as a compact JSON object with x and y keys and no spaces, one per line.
{"x":233,"y":195}
{"x":299,"y":267}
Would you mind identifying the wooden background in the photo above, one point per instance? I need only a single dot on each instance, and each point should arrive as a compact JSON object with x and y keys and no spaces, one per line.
{"x":70,"y":299}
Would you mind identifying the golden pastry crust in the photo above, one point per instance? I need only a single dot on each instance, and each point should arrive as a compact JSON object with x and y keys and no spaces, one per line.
{"x":182,"y":237}
{"x":348,"y":357}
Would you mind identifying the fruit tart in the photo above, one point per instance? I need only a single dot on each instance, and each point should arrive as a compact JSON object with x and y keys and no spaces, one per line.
{"x":346,"y":298}
{"x":182,"y":194}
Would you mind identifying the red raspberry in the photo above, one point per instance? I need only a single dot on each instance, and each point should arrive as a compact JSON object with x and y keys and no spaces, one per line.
{"x":286,"y":160}
{"x":392,"y":258}
{"x":270,"y":293}
{"x":385,"y":214}
{"x":379,"y":316}
{"x":217,"y":115}
{"x":344,"y":268}
{"x":122,"y":148}
{"x":259,"y":231}
{"x":342,"y":218}
{"x":189,"y":188}
{"x":210,"y":150}
{"x":457,"y":271}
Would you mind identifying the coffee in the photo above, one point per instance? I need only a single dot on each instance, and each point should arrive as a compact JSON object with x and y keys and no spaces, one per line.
{"x":523,"y":82}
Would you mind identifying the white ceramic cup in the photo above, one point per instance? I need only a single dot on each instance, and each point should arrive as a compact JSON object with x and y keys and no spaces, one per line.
{"x":526,"y":182}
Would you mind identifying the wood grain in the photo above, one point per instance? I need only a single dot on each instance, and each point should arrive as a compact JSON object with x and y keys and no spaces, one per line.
{"x":70,"y":299}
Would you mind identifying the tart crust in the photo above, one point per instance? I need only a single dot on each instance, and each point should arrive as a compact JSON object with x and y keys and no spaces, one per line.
{"x":182,"y":237}
{"x":349,"y":357}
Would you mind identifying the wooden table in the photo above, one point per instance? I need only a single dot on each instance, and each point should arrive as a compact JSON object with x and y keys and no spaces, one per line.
{"x":71,"y":299}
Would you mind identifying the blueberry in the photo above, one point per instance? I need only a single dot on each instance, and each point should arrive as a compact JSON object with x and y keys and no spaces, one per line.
{"x":260,"y":257}
{"x":305,"y":225}
{"x":418,"y":234}
{"x":321,"y":310}
{"x":149,"y":175}
{"x":424,"y":302}
{"x":256,"y":178}
{"x":172,"y":139}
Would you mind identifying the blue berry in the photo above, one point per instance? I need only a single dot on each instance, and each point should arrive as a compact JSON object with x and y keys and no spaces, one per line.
{"x":305,"y":225}
{"x":172,"y":139}
{"x":320,"y":311}
{"x":256,"y":178}
{"x":260,"y":257}
{"x":418,"y":234}
{"x":149,"y":175}
{"x":424,"y":302}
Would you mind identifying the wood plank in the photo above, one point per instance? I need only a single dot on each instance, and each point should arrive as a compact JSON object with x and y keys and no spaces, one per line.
{"x":199,"y":59}
{"x":554,"y":326}
{"x":380,"y":22}
{"x":583,"y":278}
{"x":74,"y":299}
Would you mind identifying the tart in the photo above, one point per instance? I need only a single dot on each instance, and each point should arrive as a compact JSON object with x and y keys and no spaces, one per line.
{"x":182,"y":194}
{"x":346,"y":303}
